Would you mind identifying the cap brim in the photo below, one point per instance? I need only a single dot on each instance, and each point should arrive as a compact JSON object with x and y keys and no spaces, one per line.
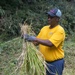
{"x":51,"y":14}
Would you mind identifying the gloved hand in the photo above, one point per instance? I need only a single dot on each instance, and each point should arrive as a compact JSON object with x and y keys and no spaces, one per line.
{"x":29,"y":38}
{"x":24,"y":36}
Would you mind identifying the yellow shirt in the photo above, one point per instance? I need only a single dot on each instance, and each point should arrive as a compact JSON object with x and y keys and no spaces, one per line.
{"x":56,"y":35}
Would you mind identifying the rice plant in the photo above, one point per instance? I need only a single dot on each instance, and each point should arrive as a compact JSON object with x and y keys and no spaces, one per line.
{"x":31,"y":61}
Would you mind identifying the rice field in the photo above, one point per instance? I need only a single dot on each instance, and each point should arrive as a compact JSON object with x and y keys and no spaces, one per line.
{"x":11,"y":50}
{"x":18,"y":57}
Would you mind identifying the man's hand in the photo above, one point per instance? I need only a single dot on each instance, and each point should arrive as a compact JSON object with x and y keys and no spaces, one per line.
{"x":29,"y":38}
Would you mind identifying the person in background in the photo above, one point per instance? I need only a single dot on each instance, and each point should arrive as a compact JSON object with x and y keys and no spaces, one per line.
{"x":50,"y":40}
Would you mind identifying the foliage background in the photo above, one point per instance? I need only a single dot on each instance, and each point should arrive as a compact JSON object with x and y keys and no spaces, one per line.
{"x":13,"y":12}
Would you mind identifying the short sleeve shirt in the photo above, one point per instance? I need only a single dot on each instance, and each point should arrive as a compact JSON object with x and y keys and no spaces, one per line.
{"x":56,"y":35}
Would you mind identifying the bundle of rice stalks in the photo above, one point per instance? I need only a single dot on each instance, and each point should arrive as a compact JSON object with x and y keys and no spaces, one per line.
{"x":31,"y":61}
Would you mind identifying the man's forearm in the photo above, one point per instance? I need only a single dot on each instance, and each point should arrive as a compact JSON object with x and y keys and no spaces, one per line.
{"x":44,"y":42}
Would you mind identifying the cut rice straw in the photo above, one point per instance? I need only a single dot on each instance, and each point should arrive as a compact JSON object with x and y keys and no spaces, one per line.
{"x":31,"y":61}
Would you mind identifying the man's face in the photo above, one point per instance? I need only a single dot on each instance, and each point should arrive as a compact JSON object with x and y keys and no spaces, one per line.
{"x":51,"y":20}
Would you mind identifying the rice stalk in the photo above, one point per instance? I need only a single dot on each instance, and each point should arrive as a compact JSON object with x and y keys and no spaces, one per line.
{"x":31,"y":61}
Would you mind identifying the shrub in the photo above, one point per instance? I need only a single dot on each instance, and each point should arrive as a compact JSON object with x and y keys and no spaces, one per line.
{"x":35,"y":14}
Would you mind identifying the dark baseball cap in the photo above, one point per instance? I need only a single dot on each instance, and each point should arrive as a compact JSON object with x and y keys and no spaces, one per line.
{"x":55,"y":12}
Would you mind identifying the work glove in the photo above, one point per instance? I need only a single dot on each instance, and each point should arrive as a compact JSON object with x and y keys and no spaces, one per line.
{"x":29,"y":38}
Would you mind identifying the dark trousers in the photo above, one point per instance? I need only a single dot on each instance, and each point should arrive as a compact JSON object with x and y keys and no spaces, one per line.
{"x":55,"y":67}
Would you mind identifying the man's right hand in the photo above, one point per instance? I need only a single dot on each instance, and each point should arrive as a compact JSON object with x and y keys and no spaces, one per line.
{"x":29,"y":38}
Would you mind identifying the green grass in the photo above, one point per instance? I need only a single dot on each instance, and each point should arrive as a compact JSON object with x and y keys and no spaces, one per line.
{"x":69,"y":57}
{"x":10,"y":51}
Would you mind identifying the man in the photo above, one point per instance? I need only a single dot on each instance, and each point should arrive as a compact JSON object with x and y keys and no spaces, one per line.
{"x":50,"y":41}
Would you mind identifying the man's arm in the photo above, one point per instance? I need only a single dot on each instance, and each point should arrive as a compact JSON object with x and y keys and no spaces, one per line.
{"x":43,"y":42}
{"x":37,"y":41}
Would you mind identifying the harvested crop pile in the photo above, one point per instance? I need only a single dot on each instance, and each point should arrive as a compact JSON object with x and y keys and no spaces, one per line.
{"x":31,"y":61}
